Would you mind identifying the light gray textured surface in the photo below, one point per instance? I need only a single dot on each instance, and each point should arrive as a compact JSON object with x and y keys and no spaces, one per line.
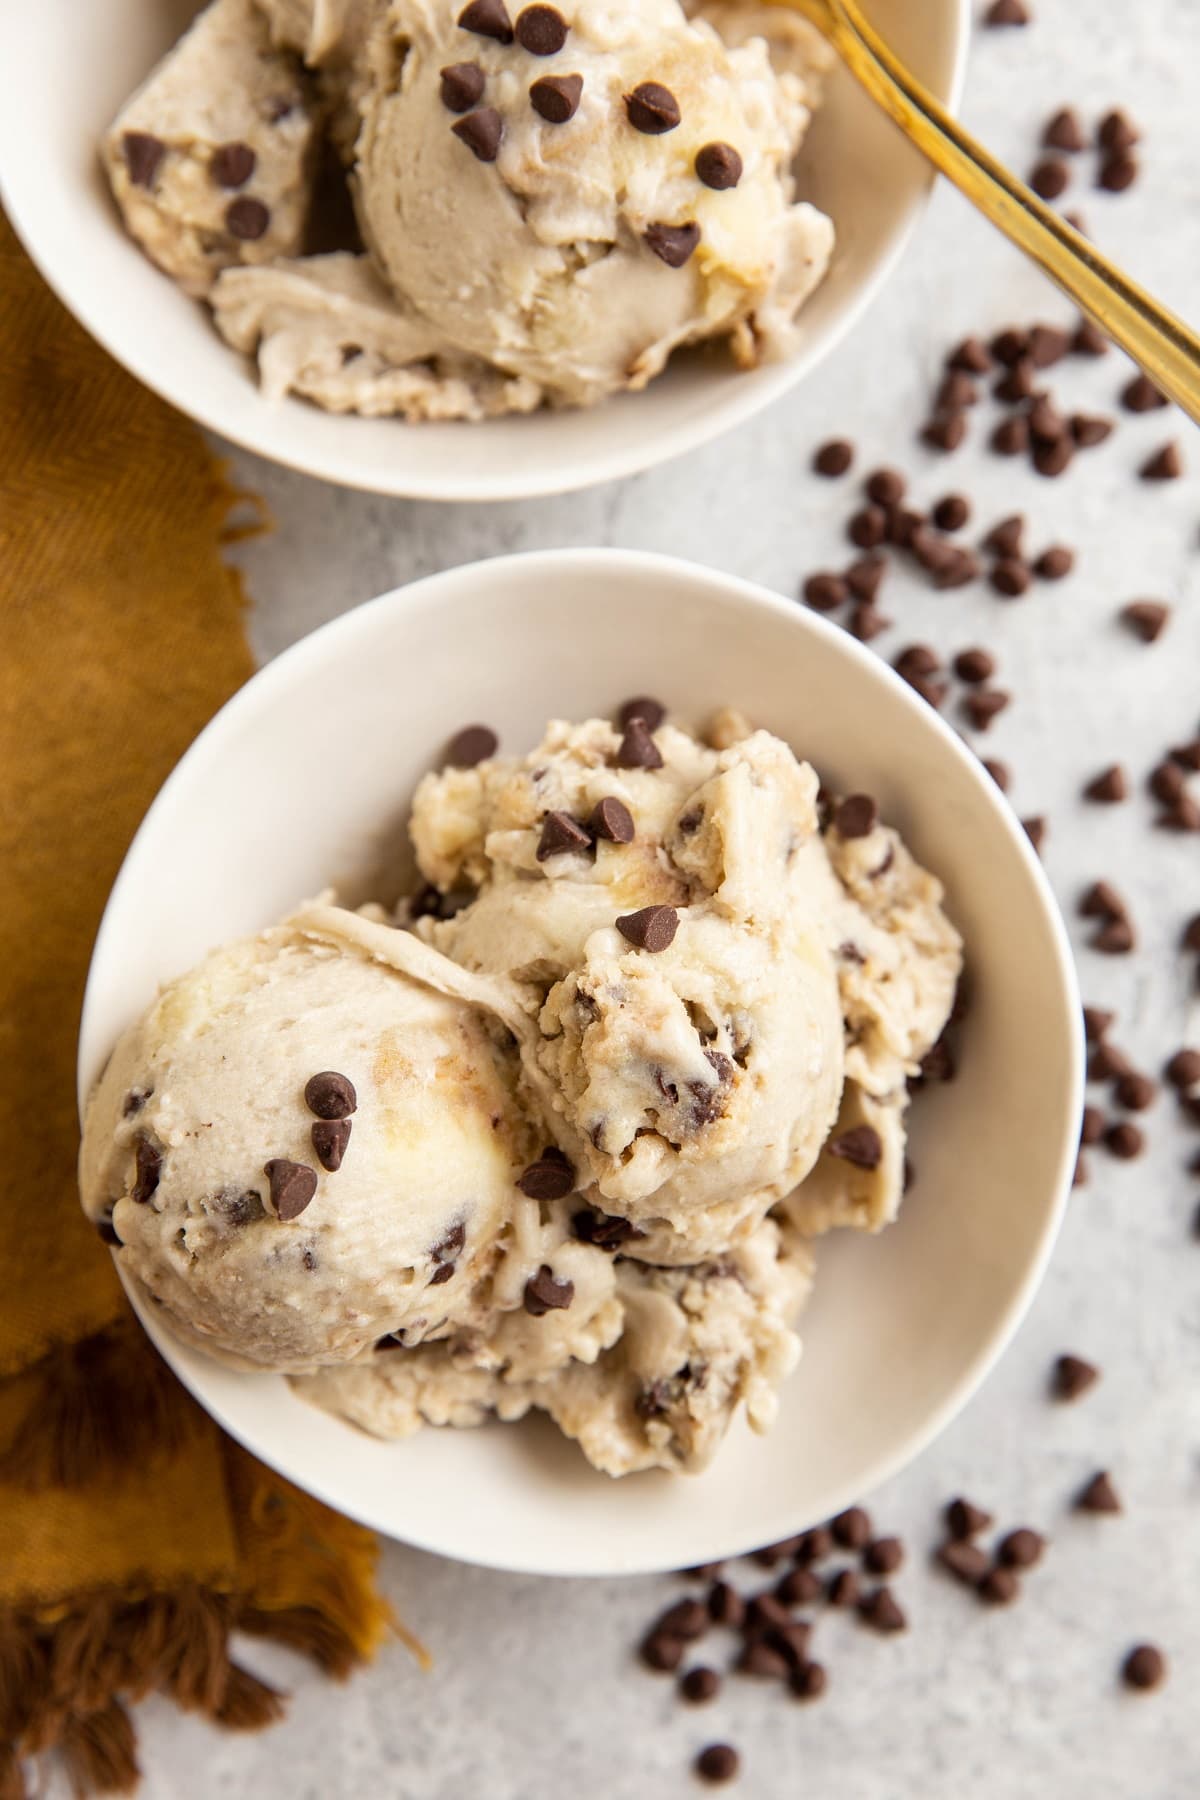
{"x":534,"y":1688}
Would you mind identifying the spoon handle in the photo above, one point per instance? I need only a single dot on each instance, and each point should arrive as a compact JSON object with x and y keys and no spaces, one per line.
{"x":1166,"y":348}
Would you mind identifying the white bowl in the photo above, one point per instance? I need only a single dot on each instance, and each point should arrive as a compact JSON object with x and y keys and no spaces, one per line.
{"x":66,"y":68}
{"x":306,"y":775}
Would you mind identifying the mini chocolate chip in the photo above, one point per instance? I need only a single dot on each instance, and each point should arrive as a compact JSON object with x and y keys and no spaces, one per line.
{"x":1116,"y":938}
{"x":945,"y":432}
{"x":799,"y":1587}
{"x":330,"y":1095}
{"x":292,"y":1186}
{"x":917,"y":659}
{"x":952,"y":512}
{"x":247,"y":219}
{"x":147,"y":1162}
{"x":865,"y":575}
{"x":886,"y":487}
{"x":644,"y":707}
{"x":867,"y":622}
{"x":725,"y":1605}
{"x":967,"y":1562}
{"x":1053,"y":564}
{"x":1088,"y":431}
{"x":652,"y":109}
{"x":1136,"y":1092}
{"x":232,"y":165}
{"x":856,"y":816}
{"x":815,"y":1545}
{"x":972,"y":356}
{"x":487,"y":18}
{"x":1020,"y":1549}
{"x":981,"y":705}
{"x":1035,"y":830}
{"x":481,"y":131}
{"x":662,"y":1652}
{"x":766,"y":1612}
{"x":1147,"y":619}
{"x":974,"y":666}
{"x":965,"y":1520}
{"x":687,"y":1619}
{"x":825,"y":592}
{"x":1098,"y":1495}
{"x":881,"y":1611}
{"x":1010,"y":578}
{"x":1089,"y":340}
{"x":560,"y":834}
{"x":1102,"y":901}
{"x":1096,"y":1021}
{"x":1006,"y":12}
{"x":1183,"y":1070}
{"x":758,"y":1657}
{"x":1166,"y":782}
{"x":1011,"y":436}
{"x":868,"y":527}
{"x":700,"y":1685}
{"x":955,"y":391}
{"x":1124,"y":1139}
{"x":1140,"y":395}
{"x":1017,"y":384}
{"x":555,"y":98}
{"x":860,"y":1146}
{"x":1109,"y":787}
{"x":442,"y":1273}
{"x":718,"y":166}
{"x":652,"y":928}
{"x":1092,"y":1125}
{"x":543,"y":1294}
{"x":1072,"y":1377}
{"x":637,"y":749}
{"x":1165,"y":465}
{"x":462,"y":86}
{"x":843,"y":1589}
{"x":143,"y":152}
{"x":472,"y":745}
{"x":1050,"y":178}
{"x":852,"y":1528}
{"x":551,"y":1177}
{"x":883,"y":1556}
{"x":999,"y":1587}
{"x":1117,"y":131}
{"x":999,"y":772}
{"x":611,"y":819}
{"x":329,"y":1140}
{"x":1063,"y":131}
{"x":1144,"y":1668}
{"x":541,"y":30}
{"x":834,"y":458}
{"x":718,"y":1763}
{"x":1118,"y":172}
{"x":672,"y":244}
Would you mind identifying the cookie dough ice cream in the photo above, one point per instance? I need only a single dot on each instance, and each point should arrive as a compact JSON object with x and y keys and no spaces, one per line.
{"x":550,"y":201}
{"x":556,"y":1133}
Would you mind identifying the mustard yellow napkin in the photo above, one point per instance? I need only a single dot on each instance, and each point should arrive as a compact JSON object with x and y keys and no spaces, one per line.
{"x":135,"y":1536}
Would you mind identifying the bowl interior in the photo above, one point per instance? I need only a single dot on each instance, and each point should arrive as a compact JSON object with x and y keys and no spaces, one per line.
{"x":65,"y":70}
{"x":305,"y":776}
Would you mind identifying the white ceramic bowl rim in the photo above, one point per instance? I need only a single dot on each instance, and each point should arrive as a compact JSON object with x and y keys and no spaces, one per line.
{"x":275,"y":679}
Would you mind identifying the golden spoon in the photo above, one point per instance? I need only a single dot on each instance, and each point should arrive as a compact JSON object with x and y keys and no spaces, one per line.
{"x":1166,"y":348}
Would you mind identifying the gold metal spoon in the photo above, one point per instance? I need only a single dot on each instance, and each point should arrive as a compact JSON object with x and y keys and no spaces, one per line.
{"x":1166,"y":348}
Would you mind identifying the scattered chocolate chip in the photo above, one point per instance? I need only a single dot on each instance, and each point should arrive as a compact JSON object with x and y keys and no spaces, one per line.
{"x":487,"y":18}
{"x":472,"y":745}
{"x":965,"y":1520}
{"x":662,"y":1652}
{"x":1182,"y":815}
{"x":1117,"y":131}
{"x":999,"y":1587}
{"x":1064,"y":132}
{"x":834,"y":458}
{"x":1187,"y":755}
{"x":799,"y":1587}
{"x":1009,"y":345}
{"x":982,"y":705}
{"x":637,"y":749}
{"x":555,"y":98}
{"x":815,"y":1545}
{"x":1144,"y":1668}
{"x":672,"y":244}
{"x":1073,"y":1377}
{"x":1020,"y":1549}
{"x":247,"y":219}
{"x":1006,"y":538}
{"x":1118,"y":172}
{"x":462,"y":86}
{"x":718,"y":166}
{"x":1116,"y":938}
{"x":329,"y":1140}
{"x":611,"y":819}
{"x":1092,"y":1125}
{"x":1140,"y":395}
{"x":1183,"y":1070}
{"x":1098,"y":1495}
{"x":881,"y":1611}
{"x":758,"y":1657}
{"x":1124,"y":1140}
{"x":769,"y":1556}
{"x":651,"y":928}
{"x":1096,"y":1020}
{"x":1050,"y":177}
{"x":718,"y":1763}
{"x":652,"y":109}
{"x":952,"y":513}
{"x":687,"y":1619}
{"x":1006,"y":12}
{"x":844,"y":1589}
{"x":860,"y":1146}
{"x":292,"y":1187}
{"x":886,"y":487}
{"x":974,"y":665}
{"x":725,"y":1605}
{"x":1055,"y":563}
{"x":1102,"y":901}
{"x":1109,"y":787}
{"x":147,"y":1163}
{"x":809,"y":1681}
{"x":867,"y":622}
{"x":561,"y":834}
{"x":904,"y":525}
{"x":868,"y":527}
{"x":852,"y":1528}
{"x":955,"y":392}
{"x":1147,"y":619}
{"x":917,"y":659}
{"x":1087,"y":431}
{"x":825,"y":592}
{"x":232,"y":165}
{"x":971,"y":356}
{"x":967,"y":1562}
{"x":1017,"y":384}
{"x":551,"y":1177}
{"x":1165,"y":465}
{"x":1053,"y":456}
{"x":856,"y":816}
{"x":143,"y":153}
{"x":945,"y":431}
{"x":883,"y":1556}
{"x":1136,"y":1092}
{"x":1011,"y":436}
{"x":1010,"y":578}
{"x":1035,"y":830}
{"x":543,"y":1294}
{"x":864,"y":577}
{"x":999,"y":772}
{"x":330,"y":1095}
{"x":481,"y":131}
{"x":541,"y":30}
{"x":1166,"y":782}
{"x":700,"y":1685}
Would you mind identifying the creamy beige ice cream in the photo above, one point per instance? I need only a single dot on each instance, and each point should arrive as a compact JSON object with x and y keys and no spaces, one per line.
{"x":552,"y":201}
{"x":557,"y":1133}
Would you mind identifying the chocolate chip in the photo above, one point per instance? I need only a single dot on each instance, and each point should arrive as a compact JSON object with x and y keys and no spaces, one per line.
{"x":965,"y":1561}
{"x":143,"y":153}
{"x":852,"y":1528}
{"x":1020,"y":1549}
{"x":965,"y":1520}
{"x":1087,"y":431}
{"x":561,"y":834}
{"x":1035,"y":830}
{"x":799,"y":1587}
{"x":1109,"y":787}
{"x":1011,"y":436}
{"x":952,"y":513}
{"x":945,"y":431}
{"x":718,"y":1763}
{"x":1136,"y":1092}
{"x":1140,"y":395}
{"x":883,"y":1556}
{"x":867,"y":622}
{"x":843,"y":1589}
{"x":834,"y":458}
{"x":292,"y":1187}
{"x":329,"y":1140}
{"x":1118,"y":172}
{"x":1005,"y":539}
{"x":865,"y":576}
{"x":860,"y":1146}
{"x":543,"y":1294}
{"x":1055,"y":563}
{"x":247,"y":219}
{"x":999,"y":1587}
{"x":1064,"y":132}
{"x":470,"y":746}
{"x":1050,"y":177}
{"x":974,"y":666}
{"x":1053,"y":456}
{"x":1116,"y":938}
{"x":917,"y":659}
{"x":971,"y":355}
{"x":1073,"y":1377}
{"x":611,"y":819}
{"x":809,"y":1681}
{"x":955,"y":392}
{"x":1182,"y":815}
{"x":725,"y":1605}
{"x":481,"y":131}
{"x":330,"y":1095}
{"x":134,"y":1101}
{"x":718,"y":166}
{"x":1006,"y":12}
{"x":541,"y":30}
{"x":551,"y":1177}
{"x":1102,"y":901}
{"x":999,"y":772}
{"x":1092,"y":1125}
{"x":1117,"y":131}
{"x":1183,"y":1070}
{"x":232,"y":165}
{"x":1165,"y":465}
{"x":652,"y":928}
{"x":555,"y":98}
{"x":700,"y":1685}
{"x":886,"y":487}
{"x":881,"y":1611}
{"x":1017,"y":384}
{"x":662,"y":1652}
{"x":487,"y":18}
{"x":1166,"y":782}
{"x":601,"y":1229}
{"x":905,"y":528}
{"x":672,"y":244}
{"x":1147,"y":619}
{"x":791,"y":1640}
{"x":856,"y":816}
{"x":462,"y":86}
{"x":652,"y":108}
{"x":1144,"y":1668}
{"x":981,"y":705}
{"x":1096,"y":1021}
{"x":815,"y":1545}
{"x":637,"y":749}
{"x":1124,"y":1139}
{"x":825,"y":592}
{"x":1098,"y":1495}
{"x":1010,"y":578}
{"x":1191,"y":933}
{"x":147,"y":1162}
{"x":1187,"y":755}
